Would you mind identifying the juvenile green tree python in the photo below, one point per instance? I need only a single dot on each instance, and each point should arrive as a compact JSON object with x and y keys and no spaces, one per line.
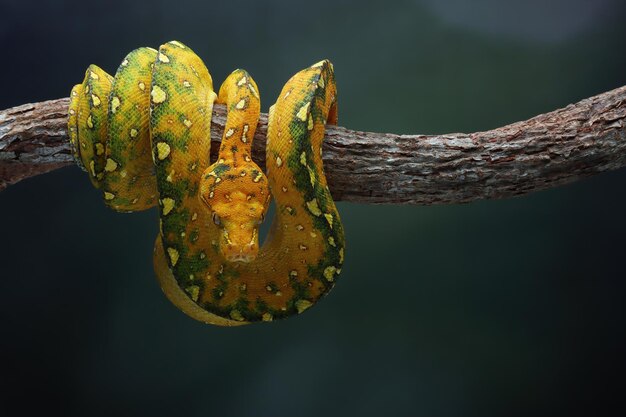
{"x":143,"y":137}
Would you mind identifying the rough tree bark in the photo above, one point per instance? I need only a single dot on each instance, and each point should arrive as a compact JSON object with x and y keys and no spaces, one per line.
{"x":548,"y":150}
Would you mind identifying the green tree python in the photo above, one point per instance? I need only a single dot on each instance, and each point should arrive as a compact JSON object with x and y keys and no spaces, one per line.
{"x":143,"y":137}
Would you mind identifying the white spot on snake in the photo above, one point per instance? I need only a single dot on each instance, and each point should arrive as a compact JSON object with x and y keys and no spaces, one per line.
{"x":284,"y":189}
{"x":176,"y":43}
{"x":187,"y":122}
{"x":95,"y":100}
{"x":93,"y":75}
{"x":244,"y":139}
{"x":168,"y":205}
{"x":279,"y":162}
{"x":331,"y":241}
{"x":110,"y":166}
{"x":125,"y":62}
{"x":173,"y":254}
{"x":108,"y":196}
{"x":194,"y":216}
{"x":241,"y":104}
{"x":99,"y":149}
{"x":242,"y":81}
{"x":134,"y":133}
{"x":293,"y":273}
{"x":303,"y":158}
{"x":302,"y":113}
{"x":163,"y":58}
{"x":229,"y":132}
{"x":314,"y":207}
{"x":141,"y":85}
{"x":163,"y":150}
{"x":299,"y":227}
{"x":329,"y":219}
{"x":302,"y":305}
{"x":90,"y":122}
{"x":329,"y":273}
{"x":341,"y":255}
{"x":158,"y":95}
{"x":115,"y":103}
{"x":267,"y":317}
{"x":193,"y":291}
{"x":186,"y":83}
{"x":311,"y":176}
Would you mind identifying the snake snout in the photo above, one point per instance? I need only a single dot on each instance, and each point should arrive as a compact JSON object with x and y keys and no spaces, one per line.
{"x":240,"y":245}
{"x":245,"y":253}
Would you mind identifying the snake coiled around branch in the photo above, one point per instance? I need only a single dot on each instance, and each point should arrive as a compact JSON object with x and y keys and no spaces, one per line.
{"x":143,"y":136}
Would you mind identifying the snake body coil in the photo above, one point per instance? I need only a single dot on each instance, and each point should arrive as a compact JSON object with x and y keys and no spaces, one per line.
{"x":143,"y":137}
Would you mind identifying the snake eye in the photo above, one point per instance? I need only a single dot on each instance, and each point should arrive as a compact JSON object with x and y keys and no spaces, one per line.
{"x":216,"y":219}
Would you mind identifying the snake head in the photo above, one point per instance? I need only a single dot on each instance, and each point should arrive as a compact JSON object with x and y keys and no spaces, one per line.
{"x":238,"y":198}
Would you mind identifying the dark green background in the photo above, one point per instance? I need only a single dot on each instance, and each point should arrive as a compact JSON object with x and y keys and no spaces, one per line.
{"x":512,"y":307}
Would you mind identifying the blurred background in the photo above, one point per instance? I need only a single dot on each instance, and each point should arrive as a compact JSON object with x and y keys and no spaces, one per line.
{"x":510,"y":307}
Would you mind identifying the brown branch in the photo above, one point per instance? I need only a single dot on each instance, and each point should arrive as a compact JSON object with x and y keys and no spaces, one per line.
{"x":548,"y":150}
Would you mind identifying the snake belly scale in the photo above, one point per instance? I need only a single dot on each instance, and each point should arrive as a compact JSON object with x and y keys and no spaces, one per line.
{"x":143,"y":137}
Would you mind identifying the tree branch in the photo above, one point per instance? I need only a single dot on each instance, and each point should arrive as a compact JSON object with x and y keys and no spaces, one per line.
{"x":548,"y":150}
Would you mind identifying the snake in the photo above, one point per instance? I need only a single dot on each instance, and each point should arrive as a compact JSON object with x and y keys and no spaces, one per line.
{"x":143,"y":137}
